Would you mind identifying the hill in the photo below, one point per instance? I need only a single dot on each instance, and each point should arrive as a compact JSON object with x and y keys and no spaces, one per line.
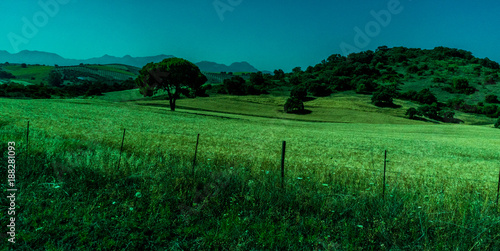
{"x":442,"y":78}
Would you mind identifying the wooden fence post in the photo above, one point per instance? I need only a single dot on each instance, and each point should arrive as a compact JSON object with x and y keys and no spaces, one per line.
{"x":196,"y":151}
{"x":283,"y":164}
{"x":121,"y":149}
{"x":383,"y":183}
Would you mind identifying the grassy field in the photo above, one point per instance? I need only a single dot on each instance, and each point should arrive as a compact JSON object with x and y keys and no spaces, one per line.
{"x":113,"y":68}
{"x":32,"y":74}
{"x":440,"y":190}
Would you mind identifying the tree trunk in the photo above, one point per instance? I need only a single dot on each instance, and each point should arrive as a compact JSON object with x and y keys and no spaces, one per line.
{"x":171,"y":99}
{"x":172,"y":104}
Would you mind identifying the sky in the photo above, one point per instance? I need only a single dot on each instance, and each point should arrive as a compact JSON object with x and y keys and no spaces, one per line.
{"x":268,"y":34}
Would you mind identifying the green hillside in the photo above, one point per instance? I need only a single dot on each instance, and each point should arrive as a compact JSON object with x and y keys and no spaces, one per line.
{"x":33,"y":74}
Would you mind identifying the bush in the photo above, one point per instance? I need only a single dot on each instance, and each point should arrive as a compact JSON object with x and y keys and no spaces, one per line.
{"x":383,"y":97}
{"x":364,"y":84}
{"x":299,"y":92}
{"x":462,"y":86}
{"x":490,"y":111}
{"x":492,"y":99}
{"x":413,"y":69}
{"x":235,"y":85}
{"x":320,"y":90}
{"x":425,"y":96}
{"x":497,"y":124}
{"x":430,"y":111}
{"x":447,"y":114}
{"x":293,"y":105}
{"x":412,"y":113}
{"x":437,"y":79}
{"x":409,"y":95}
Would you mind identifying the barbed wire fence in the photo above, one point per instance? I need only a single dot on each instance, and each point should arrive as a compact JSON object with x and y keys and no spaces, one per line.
{"x":387,"y":172}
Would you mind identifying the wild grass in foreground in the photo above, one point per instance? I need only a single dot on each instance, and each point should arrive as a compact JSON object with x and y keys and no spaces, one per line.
{"x":77,"y":199}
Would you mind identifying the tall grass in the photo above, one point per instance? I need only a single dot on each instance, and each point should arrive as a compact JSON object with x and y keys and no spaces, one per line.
{"x":73,"y":196}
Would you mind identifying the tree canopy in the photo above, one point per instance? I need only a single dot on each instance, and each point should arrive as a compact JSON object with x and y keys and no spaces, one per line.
{"x":173,"y":75}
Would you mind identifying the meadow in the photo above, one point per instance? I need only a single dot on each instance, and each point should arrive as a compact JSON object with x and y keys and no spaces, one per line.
{"x":33,"y":74}
{"x":441,"y":183}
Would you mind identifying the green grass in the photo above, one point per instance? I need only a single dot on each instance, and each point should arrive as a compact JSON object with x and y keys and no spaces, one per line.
{"x":440,"y":189}
{"x":32,"y":74}
{"x":112,"y":68}
{"x":118,"y":96}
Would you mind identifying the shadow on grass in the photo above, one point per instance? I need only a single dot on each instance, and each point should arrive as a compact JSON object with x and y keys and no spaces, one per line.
{"x":308,"y":99}
{"x":386,"y":105}
{"x":301,"y":112}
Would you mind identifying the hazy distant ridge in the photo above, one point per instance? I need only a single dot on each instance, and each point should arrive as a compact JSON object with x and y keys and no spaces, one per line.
{"x":46,"y":58}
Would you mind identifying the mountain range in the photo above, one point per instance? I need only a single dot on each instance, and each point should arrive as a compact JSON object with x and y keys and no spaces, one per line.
{"x":47,"y":58}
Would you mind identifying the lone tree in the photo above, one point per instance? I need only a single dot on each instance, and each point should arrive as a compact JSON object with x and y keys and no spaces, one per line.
{"x":173,"y":75}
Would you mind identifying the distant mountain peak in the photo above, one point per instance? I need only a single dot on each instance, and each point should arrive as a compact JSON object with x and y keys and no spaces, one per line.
{"x":47,"y":58}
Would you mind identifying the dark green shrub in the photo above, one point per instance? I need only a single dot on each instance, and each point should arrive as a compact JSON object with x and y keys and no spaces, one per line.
{"x":430,"y":111}
{"x":492,"y":99}
{"x":235,"y":85}
{"x":412,"y":69}
{"x":293,"y":105}
{"x":383,"y":97}
{"x":497,"y":124}
{"x":319,"y":90}
{"x":490,"y":111}
{"x":409,"y":95}
{"x":412,"y":113}
{"x":447,"y":114}
{"x":437,"y":79}
{"x":425,"y":96}
{"x":299,"y":92}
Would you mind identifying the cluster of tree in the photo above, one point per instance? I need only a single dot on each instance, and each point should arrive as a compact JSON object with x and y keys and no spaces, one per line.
{"x":424,"y":96}
{"x":15,"y":90}
{"x":435,"y":111}
{"x":459,"y":85}
{"x":459,"y":104}
{"x":85,"y":88}
{"x":258,"y":84}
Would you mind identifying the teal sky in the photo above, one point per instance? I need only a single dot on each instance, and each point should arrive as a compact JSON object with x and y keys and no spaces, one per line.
{"x":267,"y":34}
